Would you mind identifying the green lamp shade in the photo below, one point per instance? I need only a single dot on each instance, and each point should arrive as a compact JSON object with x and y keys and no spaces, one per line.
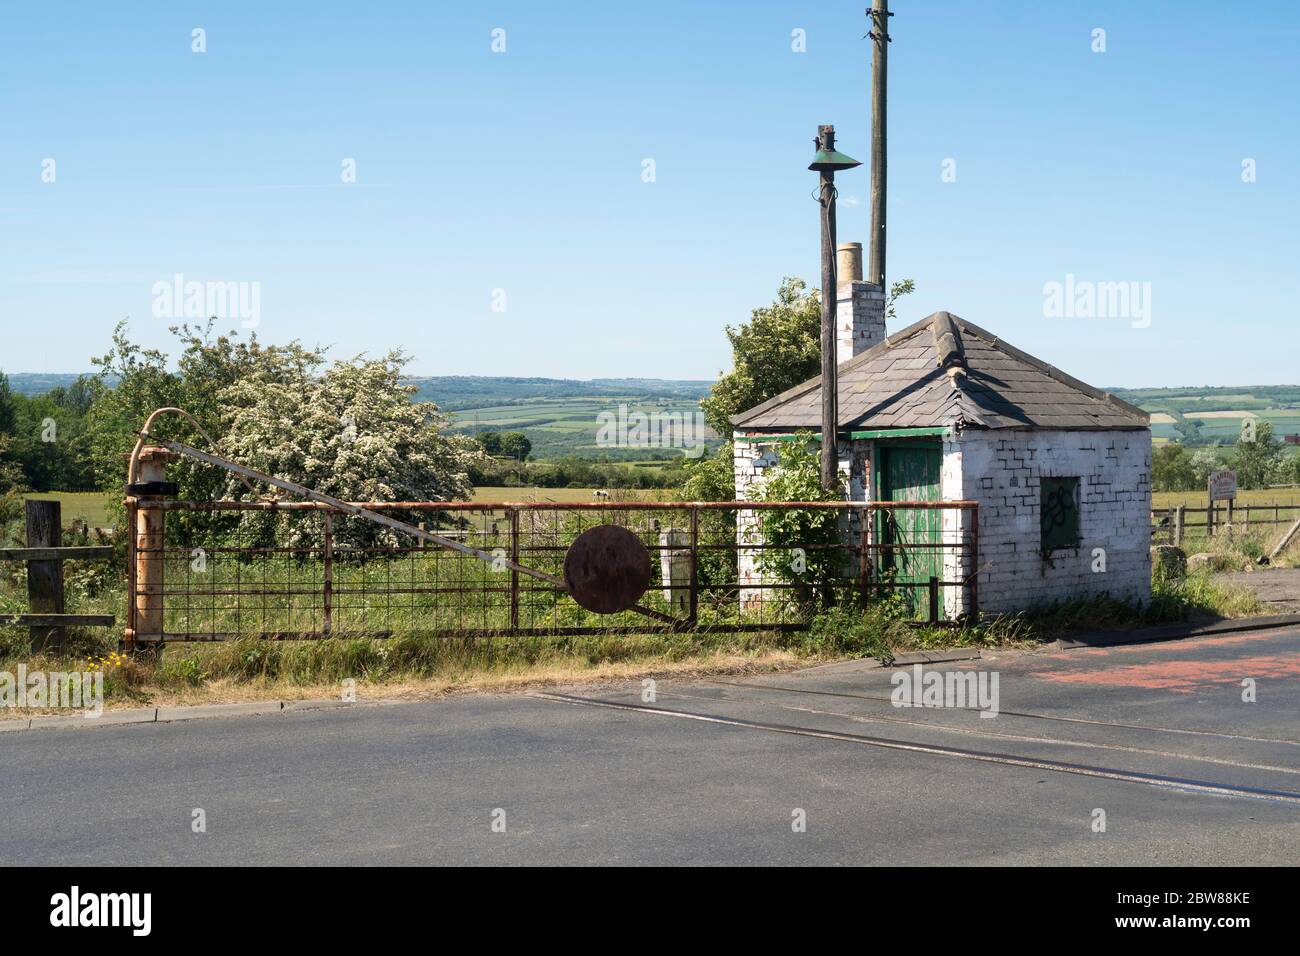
{"x":831,"y":160}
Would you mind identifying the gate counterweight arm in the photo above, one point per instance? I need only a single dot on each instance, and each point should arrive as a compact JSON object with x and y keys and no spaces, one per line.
{"x":244,"y":473}
{"x":358,"y":511}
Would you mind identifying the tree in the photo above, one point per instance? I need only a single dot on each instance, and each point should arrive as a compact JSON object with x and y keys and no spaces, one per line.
{"x":516,"y":445}
{"x":11,"y":472}
{"x":1258,"y":462}
{"x":349,"y":429}
{"x":1172,"y":468}
{"x":353,"y":433}
{"x":803,"y":547}
{"x":1206,"y":460}
{"x":1189,"y":429}
{"x":133,"y":381}
{"x":491,"y":442}
{"x":6,"y":406}
{"x":710,"y":478}
{"x":45,"y":436}
{"x":130,"y":383}
{"x":896,"y":291}
{"x":778,"y":348}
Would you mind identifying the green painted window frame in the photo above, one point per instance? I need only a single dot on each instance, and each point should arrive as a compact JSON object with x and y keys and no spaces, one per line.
{"x":1058,"y":513}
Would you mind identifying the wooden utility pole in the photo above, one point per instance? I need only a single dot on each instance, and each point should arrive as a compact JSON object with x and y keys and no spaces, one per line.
{"x":830,"y":383}
{"x":879,"y":34}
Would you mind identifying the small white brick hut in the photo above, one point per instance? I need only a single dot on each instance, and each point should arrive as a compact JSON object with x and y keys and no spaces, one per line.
{"x":944,"y":410}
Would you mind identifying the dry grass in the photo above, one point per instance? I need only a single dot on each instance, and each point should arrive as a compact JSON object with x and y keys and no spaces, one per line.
{"x":494,"y":495}
{"x":1196,"y":499}
{"x":1227,"y":414}
{"x":93,"y":506}
{"x":490,"y":682}
{"x":234,"y":691}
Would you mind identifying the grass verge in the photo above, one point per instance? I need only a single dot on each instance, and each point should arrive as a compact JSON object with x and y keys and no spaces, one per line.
{"x":411,"y":666}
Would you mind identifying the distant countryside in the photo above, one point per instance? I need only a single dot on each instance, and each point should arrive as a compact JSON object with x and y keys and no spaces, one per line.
{"x":1204,"y":416}
{"x":565,"y":457}
{"x":561,"y":417}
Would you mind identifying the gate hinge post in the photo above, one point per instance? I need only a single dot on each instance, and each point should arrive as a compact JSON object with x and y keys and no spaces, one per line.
{"x":148,"y":542}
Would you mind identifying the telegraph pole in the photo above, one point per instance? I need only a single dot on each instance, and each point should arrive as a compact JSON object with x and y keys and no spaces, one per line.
{"x":879,"y":34}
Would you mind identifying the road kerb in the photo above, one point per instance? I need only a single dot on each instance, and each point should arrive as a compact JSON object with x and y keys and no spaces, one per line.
{"x":80,"y":721}
{"x":200,"y":711}
{"x":1179,"y":631}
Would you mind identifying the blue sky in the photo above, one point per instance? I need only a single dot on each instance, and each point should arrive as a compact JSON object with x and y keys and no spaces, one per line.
{"x":522,"y":171}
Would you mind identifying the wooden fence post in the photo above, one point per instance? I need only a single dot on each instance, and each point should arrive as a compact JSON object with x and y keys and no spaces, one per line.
{"x":45,"y":578}
{"x":1180,"y":522}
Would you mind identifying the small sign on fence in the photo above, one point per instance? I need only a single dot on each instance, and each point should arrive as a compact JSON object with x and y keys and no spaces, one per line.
{"x":1223,"y":485}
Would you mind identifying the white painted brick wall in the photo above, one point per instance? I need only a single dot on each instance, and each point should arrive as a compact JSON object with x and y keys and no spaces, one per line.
{"x":752,"y":459}
{"x":956,"y":530}
{"x":1001,"y":470}
{"x":859,"y":318}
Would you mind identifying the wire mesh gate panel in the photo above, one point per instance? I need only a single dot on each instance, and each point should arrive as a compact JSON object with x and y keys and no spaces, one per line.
{"x":286,"y":570}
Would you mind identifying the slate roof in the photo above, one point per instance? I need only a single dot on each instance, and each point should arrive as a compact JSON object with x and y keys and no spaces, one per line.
{"x":945,"y":371}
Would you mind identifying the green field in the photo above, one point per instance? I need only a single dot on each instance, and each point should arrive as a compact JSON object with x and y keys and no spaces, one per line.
{"x":571,"y":426}
{"x":91,"y":507}
{"x":562,"y":417}
{"x":1277,"y":404}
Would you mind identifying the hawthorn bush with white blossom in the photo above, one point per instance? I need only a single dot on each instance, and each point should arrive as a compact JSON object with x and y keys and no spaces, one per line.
{"x":352,"y":432}
{"x":348,"y":428}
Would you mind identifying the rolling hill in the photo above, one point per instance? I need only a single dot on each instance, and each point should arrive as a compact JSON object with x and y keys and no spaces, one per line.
{"x":562,"y":416}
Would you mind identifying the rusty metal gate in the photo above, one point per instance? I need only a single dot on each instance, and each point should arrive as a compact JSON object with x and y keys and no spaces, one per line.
{"x":290,"y":570}
{"x":321,"y":566}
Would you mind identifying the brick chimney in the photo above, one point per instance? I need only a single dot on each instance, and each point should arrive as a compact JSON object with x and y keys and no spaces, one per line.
{"x":859,"y":306}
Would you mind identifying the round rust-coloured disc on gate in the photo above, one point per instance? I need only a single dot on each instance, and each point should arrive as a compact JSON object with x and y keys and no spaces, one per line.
{"x":607,"y":569}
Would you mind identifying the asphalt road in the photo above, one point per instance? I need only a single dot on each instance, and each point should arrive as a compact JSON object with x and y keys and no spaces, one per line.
{"x":1277,"y":587}
{"x":1157,"y":736}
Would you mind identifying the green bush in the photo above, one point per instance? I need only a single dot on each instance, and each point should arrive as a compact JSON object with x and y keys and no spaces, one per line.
{"x":846,"y":630}
{"x":805,"y":547}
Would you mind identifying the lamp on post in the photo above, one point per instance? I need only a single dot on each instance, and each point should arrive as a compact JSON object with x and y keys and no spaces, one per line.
{"x":826,"y":163}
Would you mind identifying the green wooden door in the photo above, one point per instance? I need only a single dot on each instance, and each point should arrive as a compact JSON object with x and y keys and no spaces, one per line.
{"x":910,"y":472}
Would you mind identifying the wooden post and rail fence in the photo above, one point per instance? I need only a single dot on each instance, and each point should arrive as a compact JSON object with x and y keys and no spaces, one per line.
{"x":47,"y":615}
{"x":1174,"y":525}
